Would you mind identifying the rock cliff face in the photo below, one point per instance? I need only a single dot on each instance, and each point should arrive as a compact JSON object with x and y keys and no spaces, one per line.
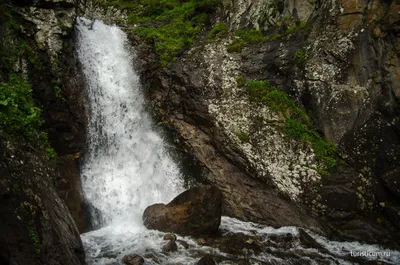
{"x":37,"y":47}
{"x":37,"y":226}
{"x":336,"y":59}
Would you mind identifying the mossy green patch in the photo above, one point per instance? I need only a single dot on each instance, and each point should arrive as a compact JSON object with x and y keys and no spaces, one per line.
{"x":219,"y":30}
{"x":297,"y":124}
{"x":300,"y":57}
{"x":243,"y":137}
{"x":240,"y":81}
{"x":245,"y":37}
{"x":251,"y":36}
{"x":296,"y":27}
{"x":236,"y":46}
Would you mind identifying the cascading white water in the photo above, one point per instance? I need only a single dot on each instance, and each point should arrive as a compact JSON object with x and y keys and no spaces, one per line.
{"x":127,"y":168}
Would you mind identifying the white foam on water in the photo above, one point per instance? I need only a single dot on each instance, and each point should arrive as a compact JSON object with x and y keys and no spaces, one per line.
{"x":338,"y":249}
{"x":371,"y":252}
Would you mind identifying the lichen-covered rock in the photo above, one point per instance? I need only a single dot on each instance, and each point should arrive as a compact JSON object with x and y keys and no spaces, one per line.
{"x":194,"y":212}
{"x":288,"y":163}
{"x":261,"y":14}
{"x":109,"y":14}
{"x":50,"y":27}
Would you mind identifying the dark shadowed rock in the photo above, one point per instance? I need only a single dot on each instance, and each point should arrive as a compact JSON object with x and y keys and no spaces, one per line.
{"x":308,"y":241}
{"x":392,"y":181}
{"x":170,"y":236}
{"x":170,"y":247}
{"x":206,"y":260}
{"x":194,"y":212}
{"x":133,"y":260}
{"x":183,"y":243}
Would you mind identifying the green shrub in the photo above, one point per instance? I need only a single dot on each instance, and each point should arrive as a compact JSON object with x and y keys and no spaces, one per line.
{"x":51,"y":153}
{"x":20,"y":119}
{"x":297,"y":124}
{"x":300,"y":57}
{"x":18,"y":114}
{"x":57,"y":87}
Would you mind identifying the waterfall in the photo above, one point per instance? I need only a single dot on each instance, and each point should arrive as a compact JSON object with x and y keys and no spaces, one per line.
{"x":127,"y":167}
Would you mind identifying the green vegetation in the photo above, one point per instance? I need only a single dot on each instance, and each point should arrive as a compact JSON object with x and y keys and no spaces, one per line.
{"x":14,"y":47}
{"x":297,"y":124}
{"x":219,"y":30}
{"x":243,"y":137}
{"x":51,"y":153}
{"x":296,"y":27}
{"x":19,"y":117}
{"x":300,"y":57}
{"x":246,"y":37}
{"x":240,"y":81}
{"x":34,"y":238}
{"x":251,"y":36}
{"x":18,"y":113}
{"x":57,"y":88}
{"x":16,"y":188}
{"x":236,"y":46}
{"x":172,"y":25}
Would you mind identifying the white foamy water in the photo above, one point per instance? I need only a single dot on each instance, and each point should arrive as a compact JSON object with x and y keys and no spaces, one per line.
{"x":127,"y":168}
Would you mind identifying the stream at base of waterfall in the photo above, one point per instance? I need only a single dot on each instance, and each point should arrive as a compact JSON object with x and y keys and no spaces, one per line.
{"x":127,"y":167}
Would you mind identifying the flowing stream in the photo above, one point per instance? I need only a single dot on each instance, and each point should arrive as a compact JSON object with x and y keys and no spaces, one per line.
{"x":127,"y":168}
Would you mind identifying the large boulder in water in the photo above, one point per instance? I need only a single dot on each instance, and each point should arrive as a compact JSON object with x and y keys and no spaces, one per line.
{"x":196,"y":211}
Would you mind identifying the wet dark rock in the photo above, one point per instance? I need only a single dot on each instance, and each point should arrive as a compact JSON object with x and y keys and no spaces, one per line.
{"x":391,"y":181}
{"x":171,"y":246}
{"x":183,"y":243}
{"x":194,"y":212}
{"x":308,"y":241}
{"x":170,"y":236}
{"x":206,"y":260}
{"x":234,"y":243}
{"x":37,"y":227}
{"x":133,"y":260}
